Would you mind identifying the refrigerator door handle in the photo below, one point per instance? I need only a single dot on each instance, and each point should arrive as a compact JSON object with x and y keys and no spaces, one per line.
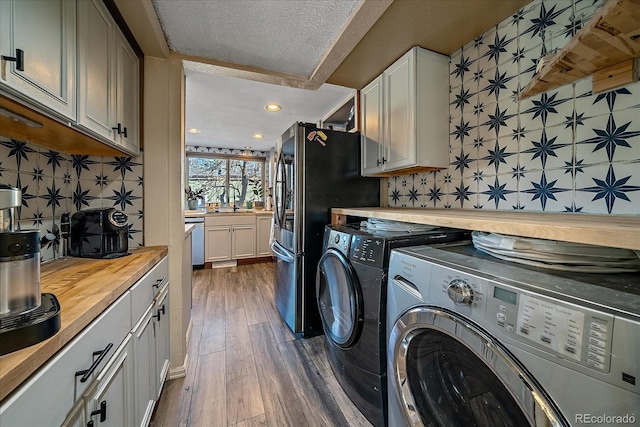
{"x":281,"y":252}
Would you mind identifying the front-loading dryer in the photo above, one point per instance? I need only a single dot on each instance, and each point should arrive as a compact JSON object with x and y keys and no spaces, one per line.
{"x":351,"y":287}
{"x":473,"y":340}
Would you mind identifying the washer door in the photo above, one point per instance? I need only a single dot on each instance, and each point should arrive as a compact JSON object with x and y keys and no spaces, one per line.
{"x":339,"y":298}
{"x":448,"y":372}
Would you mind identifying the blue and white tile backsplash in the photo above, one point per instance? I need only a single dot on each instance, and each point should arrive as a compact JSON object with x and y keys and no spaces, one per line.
{"x":566,"y":150}
{"x":53,"y":183}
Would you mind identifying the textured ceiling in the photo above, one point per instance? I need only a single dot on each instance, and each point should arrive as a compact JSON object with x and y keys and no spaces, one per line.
{"x":289,"y":36}
{"x":229,"y":46}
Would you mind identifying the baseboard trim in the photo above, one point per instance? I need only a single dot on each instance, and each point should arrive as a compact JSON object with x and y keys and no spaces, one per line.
{"x":179,"y":371}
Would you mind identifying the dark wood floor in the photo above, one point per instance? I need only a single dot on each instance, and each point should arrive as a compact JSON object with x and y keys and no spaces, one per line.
{"x":246,"y":368}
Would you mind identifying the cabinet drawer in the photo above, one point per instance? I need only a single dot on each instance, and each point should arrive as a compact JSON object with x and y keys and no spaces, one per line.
{"x":145,"y":289}
{"x":49,"y":394}
{"x":230,"y":220}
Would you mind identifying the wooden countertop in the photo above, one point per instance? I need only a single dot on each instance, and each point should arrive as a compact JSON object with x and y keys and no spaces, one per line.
{"x":618,"y":231}
{"x":202,"y":214}
{"x":85,"y":288}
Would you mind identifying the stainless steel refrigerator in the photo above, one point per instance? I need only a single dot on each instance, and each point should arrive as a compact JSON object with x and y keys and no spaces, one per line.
{"x":316,"y":170}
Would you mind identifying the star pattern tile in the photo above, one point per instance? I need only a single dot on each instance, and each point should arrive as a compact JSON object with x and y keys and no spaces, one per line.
{"x":53,"y":182}
{"x":565,"y":150}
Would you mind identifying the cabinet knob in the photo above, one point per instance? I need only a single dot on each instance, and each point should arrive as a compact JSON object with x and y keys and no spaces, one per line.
{"x":18,"y":59}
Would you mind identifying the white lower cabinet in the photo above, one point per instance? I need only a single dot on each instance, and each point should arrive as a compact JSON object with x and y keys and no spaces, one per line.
{"x":161,"y":330}
{"x":150,"y":335}
{"x":263,"y":235}
{"x":144,"y":379}
{"x":108,"y":401}
{"x":111,"y":373}
{"x":228,"y":237}
{"x":217,"y":243}
{"x":243,"y":241}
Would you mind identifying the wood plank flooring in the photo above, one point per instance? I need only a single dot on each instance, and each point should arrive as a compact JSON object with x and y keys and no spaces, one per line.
{"x":246,"y":368}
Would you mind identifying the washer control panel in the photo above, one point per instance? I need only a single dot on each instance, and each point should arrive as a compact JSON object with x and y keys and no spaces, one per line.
{"x":339,"y":240}
{"x":367,"y":250}
{"x":573,"y":333}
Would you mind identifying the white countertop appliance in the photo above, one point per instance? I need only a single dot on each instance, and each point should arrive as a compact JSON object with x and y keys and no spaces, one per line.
{"x":473,"y":340}
{"x":26,"y":316}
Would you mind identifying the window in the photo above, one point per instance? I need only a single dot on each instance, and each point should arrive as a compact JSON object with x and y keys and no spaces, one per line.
{"x":227,"y":179}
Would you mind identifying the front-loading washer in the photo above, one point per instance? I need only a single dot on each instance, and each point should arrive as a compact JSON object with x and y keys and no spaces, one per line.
{"x":351,"y":287}
{"x":473,"y":340}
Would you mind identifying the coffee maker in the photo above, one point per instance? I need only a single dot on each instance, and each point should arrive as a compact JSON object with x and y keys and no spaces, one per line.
{"x":26,"y":315}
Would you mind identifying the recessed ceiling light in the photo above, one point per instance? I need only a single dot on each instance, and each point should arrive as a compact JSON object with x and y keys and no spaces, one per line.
{"x":258,"y":136}
{"x":272,"y":107}
{"x":194,"y":130}
{"x":247,"y":147}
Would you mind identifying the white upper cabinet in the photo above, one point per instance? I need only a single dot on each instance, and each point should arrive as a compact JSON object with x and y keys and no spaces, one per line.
{"x":371,"y":134}
{"x":97,"y":67}
{"x":405,"y":116}
{"x":108,"y":102}
{"x":127,"y":95}
{"x":43,"y":33}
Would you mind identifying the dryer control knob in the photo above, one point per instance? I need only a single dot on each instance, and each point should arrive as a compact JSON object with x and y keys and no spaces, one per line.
{"x":460,"y":292}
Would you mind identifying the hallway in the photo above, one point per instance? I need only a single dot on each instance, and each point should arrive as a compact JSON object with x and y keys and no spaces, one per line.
{"x":246,"y":368}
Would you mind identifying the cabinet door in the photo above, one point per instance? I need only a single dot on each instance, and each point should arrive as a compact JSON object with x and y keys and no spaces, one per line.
{"x":372,"y":128}
{"x":34,"y":404}
{"x":127,"y":95}
{"x":97,"y":67}
{"x":263,"y":236}
{"x":144,"y":361}
{"x":161,"y":325}
{"x":244,"y":241}
{"x":109,"y":402}
{"x":400,"y":130}
{"x":217,"y":241}
{"x":45,"y":31}
{"x":77,"y":416}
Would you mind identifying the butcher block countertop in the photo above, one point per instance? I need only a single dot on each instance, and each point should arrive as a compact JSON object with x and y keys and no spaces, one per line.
{"x":242,"y":212}
{"x":619,"y":231}
{"x":84,"y":288}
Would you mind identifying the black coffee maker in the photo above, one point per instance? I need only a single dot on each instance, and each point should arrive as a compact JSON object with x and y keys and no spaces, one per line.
{"x":99,"y":233}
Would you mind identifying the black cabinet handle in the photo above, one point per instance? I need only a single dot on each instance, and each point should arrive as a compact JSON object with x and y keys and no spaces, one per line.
{"x":18,"y":59}
{"x":160,"y":311}
{"x":158,"y":283}
{"x":102,"y":412}
{"x":118,"y":129}
{"x":378,"y":163}
{"x":124,"y":132}
{"x":86,"y":373}
{"x":384,"y":160}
